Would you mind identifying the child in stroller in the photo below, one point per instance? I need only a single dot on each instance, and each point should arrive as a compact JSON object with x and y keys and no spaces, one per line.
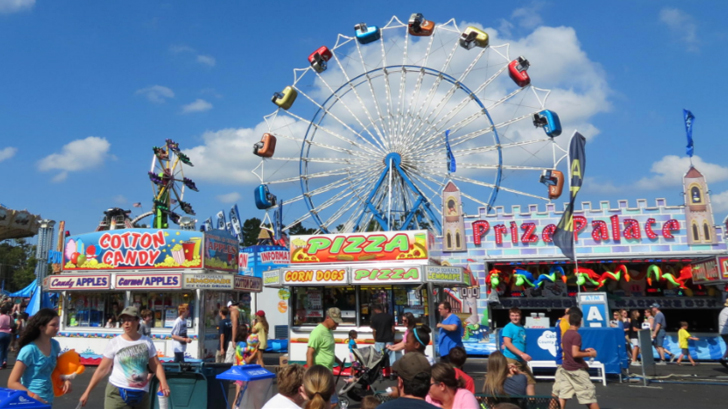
{"x":365,"y":371}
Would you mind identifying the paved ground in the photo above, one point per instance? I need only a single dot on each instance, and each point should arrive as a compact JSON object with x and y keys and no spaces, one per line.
{"x":701,"y":387}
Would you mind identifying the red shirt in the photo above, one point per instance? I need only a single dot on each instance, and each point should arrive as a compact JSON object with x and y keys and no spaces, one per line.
{"x":572,"y":338}
{"x":469,"y":384}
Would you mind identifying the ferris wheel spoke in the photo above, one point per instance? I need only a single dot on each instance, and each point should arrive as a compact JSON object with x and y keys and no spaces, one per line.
{"x":334,"y":134}
{"x":339,"y":100}
{"x":371,"y":89}
{"x":342,"y":123}
{"x":492,"y":186}
{"x":483,"y":149}
{"x":387,"y":88}
{"x":504,"y":167}
{"x":467,"y":137}
{"x":368,"y":114}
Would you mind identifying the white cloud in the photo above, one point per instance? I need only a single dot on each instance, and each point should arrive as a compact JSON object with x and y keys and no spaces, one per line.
{"x":529,"y":17}
{"x":77,"y":155}
{"x":180,"y":48}
{"x":200,"y":105}
{"x":229,"y":197}
{"x":719,"y":202}
{"x":669,"y":171}
{"x":120,"y":199}
{"x":206,"y":60}
{"x":682,"y":25}
{"x":156,"y":93}
{"x":7,"y":153}
{"x":12,"y":6}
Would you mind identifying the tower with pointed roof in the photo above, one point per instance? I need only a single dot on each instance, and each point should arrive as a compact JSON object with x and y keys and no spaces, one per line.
{"x":698,"y":211}
{"x":453,"y":226}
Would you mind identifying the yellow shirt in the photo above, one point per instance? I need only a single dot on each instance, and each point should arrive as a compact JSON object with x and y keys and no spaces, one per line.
{"x":262,"y":335}
{"x":682,"y":338}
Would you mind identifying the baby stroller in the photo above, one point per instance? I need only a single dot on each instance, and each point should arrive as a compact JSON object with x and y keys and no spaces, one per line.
{"x":365,"y":371}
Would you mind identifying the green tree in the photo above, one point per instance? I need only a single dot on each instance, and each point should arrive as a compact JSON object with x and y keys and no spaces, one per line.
{"x":298,"y":230}
{"x":251,"y":230}
{"x":17,"y":264}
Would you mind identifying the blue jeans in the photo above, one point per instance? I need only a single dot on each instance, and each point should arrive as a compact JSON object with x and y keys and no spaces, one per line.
{"x":4,"y":344}
{"x":379,"y":346}
{"x":179,"y":357}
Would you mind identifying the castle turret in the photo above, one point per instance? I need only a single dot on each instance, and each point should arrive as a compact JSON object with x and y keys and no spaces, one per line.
{"x":453,"y":226}
{"x":698,"y":211}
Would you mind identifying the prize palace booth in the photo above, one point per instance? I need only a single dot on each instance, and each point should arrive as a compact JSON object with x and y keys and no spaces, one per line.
{"x":154,"y":269}
{"x":638,"y":254}
{"x":355,"y":271}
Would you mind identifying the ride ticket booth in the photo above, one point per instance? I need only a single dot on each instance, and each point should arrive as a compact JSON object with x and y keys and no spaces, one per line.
{"x":150,"y":269}
{"x":353,"y":272}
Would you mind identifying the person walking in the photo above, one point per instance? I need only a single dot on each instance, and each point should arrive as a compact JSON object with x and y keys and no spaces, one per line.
{"x":128,"y":357}
{"x":450,"y":334}
{"x":658,"y":333}
{"x":572,"y":378}
{"x":683,"y":336}
{"x":224,"y":332}
{"x":321,"y":341}
{"x":179,"y":333}
{"x":262,"y":329}
{"x":7,"y":325}
{"x":382,"y":324}
{"x":634,"y":327}
{"x":514,"y":341}
{"x":408,"y":320}
{"x":723,"y":327}
{"x":37,"y":357}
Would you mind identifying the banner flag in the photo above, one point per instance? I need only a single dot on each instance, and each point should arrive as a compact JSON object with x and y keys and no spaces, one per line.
{"x":235,"y":220}
{"x":207,"y":225}
{"x":451,"y":165}
{"x":278,"y":222}
{"x":689,"y":119}
{"x":564,"y":234}
{"x":221,"y":225}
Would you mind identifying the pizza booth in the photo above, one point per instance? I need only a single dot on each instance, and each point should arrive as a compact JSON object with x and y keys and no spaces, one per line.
{"x":150,"y":269}
{"x":353,"y":272}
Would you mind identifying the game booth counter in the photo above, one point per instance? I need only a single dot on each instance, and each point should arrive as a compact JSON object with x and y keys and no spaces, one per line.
{"x":152,"y":269}
{"x":355,"y":271}
{"x":639,"y":255}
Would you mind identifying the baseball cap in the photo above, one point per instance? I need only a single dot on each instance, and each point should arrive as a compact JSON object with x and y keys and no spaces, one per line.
{"x":260,"y":313}
{"x":231,"y":303}
{"x":655,"y":305}
{"x":130,"y":311}
{"x":411,"y":364}
{"x":335,"y":314}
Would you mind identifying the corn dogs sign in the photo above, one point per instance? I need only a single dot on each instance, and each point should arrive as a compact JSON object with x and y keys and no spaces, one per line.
{"x":404,"y":246}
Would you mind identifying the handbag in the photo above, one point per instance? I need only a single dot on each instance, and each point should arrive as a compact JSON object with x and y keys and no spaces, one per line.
{"x":131,"y":397}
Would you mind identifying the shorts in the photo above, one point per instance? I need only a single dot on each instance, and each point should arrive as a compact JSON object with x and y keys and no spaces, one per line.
{"x":659,"y":339}
{"x":523,"y":367}
{"x":635,"y":342}
{"x":113,"y":400}
{"x":685,"y":351}
{"x":570,"y":383}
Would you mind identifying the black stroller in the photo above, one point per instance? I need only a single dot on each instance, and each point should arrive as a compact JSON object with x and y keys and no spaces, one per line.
{"x":365,"y":371}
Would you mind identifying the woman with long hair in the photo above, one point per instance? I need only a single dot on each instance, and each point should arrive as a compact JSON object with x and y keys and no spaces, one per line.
{"x":447,"y":391}
{"x":503,"y":379}
{"x":128,"y":357}
{"x":37,"y":357}
{"x":318,"y":385}
{"x":409,"y":321}
{"x":261,"y":328}
{"x":7,"y":324}
{"x":634,"y":327}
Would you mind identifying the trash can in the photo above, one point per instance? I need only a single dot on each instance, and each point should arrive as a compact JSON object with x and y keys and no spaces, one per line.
{"x":11,"y":398}
{"x":193,"y":385}
{"x":257,"y":385}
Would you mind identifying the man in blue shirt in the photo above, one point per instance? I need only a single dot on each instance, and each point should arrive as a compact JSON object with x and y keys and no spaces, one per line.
{"x":451,"y":331}
{"x":514,"y":343}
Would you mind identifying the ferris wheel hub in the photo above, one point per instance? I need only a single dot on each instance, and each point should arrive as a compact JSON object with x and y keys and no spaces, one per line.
{"x":392,"y":159}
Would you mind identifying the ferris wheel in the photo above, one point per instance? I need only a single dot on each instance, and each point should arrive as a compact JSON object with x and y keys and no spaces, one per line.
{"x":377,"y":124}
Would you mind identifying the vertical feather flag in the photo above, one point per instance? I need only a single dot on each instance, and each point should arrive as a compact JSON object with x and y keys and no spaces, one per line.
{"x":689,"y":119}
{"x":564,"y":235}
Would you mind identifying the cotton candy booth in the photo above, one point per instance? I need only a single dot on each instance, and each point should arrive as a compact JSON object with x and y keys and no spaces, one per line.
{"x":353,"y":272}
{"x":151,"y":269}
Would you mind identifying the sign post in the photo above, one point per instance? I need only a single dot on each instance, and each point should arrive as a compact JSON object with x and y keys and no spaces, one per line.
{"x":595,"y":309}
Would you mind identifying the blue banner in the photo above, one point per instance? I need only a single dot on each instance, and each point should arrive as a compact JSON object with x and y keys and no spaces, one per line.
{"x":451,"y":165}
{"x":221,"y":225}
{"x":564,"y":235}
{"x":207,"y":225}
{"x":689,"y":119}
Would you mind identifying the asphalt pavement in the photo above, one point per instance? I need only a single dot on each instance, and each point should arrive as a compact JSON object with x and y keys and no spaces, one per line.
{"x":702,"y":387}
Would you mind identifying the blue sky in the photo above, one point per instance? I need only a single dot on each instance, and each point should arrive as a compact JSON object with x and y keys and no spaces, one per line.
{"x":87,"y":88}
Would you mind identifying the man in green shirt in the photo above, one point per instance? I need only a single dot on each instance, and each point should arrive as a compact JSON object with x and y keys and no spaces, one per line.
{"x":321,"y":341}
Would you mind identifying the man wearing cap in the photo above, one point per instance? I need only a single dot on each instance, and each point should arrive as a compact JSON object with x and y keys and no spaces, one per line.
{"x":321,"y":341}
{"x":413,"y":382}
{"x":658,"y":333}
{"x":723,"y":326}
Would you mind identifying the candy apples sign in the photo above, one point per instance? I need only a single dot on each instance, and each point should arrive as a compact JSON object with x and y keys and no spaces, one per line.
{"x":405,"y":246}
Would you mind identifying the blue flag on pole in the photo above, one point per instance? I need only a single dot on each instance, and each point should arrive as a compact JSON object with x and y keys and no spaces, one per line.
{"x":689,"y":119}
{"x":451,"y":165}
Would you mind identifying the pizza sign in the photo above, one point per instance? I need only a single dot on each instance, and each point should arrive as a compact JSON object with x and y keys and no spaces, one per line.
{"x":406,"y":246}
